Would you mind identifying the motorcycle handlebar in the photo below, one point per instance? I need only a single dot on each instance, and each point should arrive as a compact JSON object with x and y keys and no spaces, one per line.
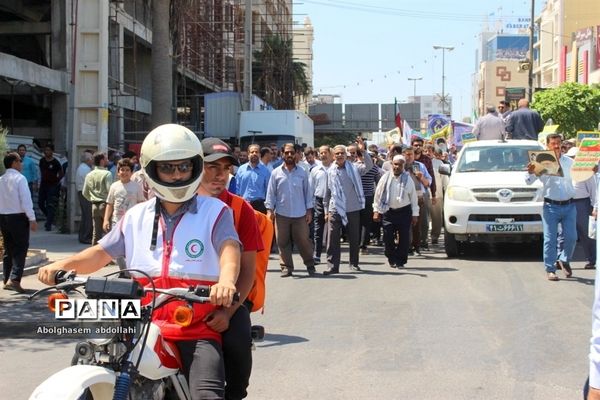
{"x":67,"y":280}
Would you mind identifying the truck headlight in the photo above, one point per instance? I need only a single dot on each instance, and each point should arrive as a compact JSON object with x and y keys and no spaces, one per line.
{"x":458,"y":193}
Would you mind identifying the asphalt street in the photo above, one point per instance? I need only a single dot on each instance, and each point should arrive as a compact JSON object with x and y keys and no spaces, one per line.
{"x":487,"y":325}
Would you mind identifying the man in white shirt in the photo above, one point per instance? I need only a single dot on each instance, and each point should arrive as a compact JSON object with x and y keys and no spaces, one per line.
{"x":490,"y":126}
{"x":396,"y":205}
{"x":318,"y":181}
{"x":16,"y":219}
{"x":85,"y":224}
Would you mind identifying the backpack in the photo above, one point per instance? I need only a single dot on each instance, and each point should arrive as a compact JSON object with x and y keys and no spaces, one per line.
{"x":258,"y":291}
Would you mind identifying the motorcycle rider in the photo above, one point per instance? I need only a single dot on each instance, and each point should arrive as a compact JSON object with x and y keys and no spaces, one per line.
{"x":233,"y":322}
{"x":192,"y":242}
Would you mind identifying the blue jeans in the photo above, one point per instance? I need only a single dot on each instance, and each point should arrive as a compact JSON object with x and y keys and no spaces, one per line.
{"x":584,"y":208}
{"x":552,"y":216}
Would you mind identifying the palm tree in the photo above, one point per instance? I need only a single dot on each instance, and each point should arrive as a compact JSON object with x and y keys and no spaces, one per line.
{"x":276,"y":77}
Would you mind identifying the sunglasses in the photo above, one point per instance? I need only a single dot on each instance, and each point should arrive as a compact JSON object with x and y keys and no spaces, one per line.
{"x":169,"y":169}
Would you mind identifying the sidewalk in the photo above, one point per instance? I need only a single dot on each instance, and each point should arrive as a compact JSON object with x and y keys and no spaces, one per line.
{"x":45,"y":247}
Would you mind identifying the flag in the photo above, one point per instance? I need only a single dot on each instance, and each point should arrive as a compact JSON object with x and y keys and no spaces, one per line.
{"x":398,"y":117}
{"x":407,"y":133}
{"x":474,"y":116}
{"x":437,"y":122}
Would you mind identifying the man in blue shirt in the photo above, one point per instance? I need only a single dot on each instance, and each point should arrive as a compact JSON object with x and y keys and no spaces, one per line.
{"x":289,"y":202}
{"x":524,"y":123}
{"x":30,"y":169}
{"x":422,"y":180}
{"x":345,"y":198}
{"x":559,"y":208}
{"x":252,"y":179}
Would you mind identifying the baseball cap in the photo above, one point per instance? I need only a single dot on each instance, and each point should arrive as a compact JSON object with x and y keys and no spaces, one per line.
{"x":572,"y":152}
{"x":214,"y":149}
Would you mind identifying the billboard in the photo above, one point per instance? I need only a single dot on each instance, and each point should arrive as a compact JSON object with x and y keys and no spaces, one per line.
{"x":508,"y":47}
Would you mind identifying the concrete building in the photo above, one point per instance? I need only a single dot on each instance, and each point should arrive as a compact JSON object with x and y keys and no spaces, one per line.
{"x":303,"y":52}
{"x":498,"y":75}
{"x":558,"y":24}
{"x":78,"y":73}
{"x":431,"y":105}
{"x":500,"y":80}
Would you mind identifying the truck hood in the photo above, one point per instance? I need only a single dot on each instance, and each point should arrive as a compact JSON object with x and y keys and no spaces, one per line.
{"x":496,"y":179}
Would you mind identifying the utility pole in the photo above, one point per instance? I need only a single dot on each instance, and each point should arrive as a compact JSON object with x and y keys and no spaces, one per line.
{"x":443,"y":97}
{"x":247,"y":56}
{"x":415,"y":85}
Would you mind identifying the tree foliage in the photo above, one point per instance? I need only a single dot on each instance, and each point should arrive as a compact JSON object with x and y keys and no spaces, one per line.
{"x":276,"y":77}
{"x":572,"y":106}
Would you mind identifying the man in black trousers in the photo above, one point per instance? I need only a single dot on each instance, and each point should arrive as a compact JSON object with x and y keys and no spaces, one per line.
{"x":396,"y":205}
{"x":16,"y":218}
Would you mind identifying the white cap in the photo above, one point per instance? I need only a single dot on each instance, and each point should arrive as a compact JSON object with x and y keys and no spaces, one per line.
{"x":399,"y":157}
{"x":572,"y":152}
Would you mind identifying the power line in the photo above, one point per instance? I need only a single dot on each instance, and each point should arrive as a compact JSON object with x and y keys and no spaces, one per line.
{"x":432,"y":15}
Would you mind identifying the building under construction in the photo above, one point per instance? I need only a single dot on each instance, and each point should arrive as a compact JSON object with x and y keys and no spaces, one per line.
{"x":78,"y":73}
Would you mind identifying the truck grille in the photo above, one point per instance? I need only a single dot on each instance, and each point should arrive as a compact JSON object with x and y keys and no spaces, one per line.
{"x":520,"y":194}
{"x":515,"y":217}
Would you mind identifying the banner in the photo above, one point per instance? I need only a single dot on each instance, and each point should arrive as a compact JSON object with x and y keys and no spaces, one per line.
{"x":393,"y":136}
{"x":468,"y":137}
{"x":436,"y":122}
{"x":586,"y":159}
{"x":586,"y":134}
{"x":461,"y":128}
{"x":441,"y":133}
{"x":548,"y":129}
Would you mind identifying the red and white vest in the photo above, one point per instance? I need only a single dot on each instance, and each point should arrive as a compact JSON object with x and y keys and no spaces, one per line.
{"x":186,"y":259}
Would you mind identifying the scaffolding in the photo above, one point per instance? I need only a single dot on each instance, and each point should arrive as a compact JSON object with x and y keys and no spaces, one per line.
{"x":208,"y":57}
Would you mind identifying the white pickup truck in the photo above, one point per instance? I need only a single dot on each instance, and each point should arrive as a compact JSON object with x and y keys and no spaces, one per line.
{"x":487,"y":199}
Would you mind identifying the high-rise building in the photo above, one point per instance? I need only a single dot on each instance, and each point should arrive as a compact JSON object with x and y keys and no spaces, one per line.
{"x":303,"y":53}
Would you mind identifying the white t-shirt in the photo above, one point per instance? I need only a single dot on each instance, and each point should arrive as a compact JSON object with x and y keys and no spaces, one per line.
{"x":123,"y":197}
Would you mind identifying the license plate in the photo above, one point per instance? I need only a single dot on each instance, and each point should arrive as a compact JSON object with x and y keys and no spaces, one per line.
{"x":504,"y":227}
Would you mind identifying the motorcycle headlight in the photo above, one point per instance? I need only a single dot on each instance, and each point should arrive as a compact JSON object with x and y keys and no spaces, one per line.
{"x":458,"y":193}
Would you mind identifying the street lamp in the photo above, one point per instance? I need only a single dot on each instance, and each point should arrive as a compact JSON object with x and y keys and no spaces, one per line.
{"x":443,"y":97}
{"x":415,"y":85}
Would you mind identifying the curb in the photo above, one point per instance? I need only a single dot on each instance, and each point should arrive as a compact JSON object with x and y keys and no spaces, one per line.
{"x":36,"y":258}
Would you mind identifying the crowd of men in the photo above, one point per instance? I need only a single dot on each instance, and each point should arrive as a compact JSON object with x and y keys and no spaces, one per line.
{"x":315,"y":198}
{"x":318,"y":198}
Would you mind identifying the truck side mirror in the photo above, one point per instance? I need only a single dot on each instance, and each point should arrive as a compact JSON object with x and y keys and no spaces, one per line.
{"x":445,"y":169}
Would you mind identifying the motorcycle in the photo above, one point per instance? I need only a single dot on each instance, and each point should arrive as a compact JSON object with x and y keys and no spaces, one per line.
{"x":126,"y":365}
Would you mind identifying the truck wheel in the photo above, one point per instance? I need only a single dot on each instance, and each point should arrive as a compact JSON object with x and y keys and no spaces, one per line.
{"x":450,"y":245}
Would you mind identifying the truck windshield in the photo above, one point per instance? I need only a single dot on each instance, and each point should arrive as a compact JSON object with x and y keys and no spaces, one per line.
{"x":265,"y":140}
{"x":494,"y":158}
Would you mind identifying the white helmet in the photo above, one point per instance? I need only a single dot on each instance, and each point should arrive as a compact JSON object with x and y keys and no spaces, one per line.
{"x":171,"y":142}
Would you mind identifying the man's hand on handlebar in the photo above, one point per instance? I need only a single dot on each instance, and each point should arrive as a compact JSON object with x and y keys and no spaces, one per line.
{"x":46,"y":274}
{"x":221,"y":294}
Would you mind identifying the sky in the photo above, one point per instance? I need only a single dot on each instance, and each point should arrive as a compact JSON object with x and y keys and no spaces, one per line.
{"x":365,"y":50}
